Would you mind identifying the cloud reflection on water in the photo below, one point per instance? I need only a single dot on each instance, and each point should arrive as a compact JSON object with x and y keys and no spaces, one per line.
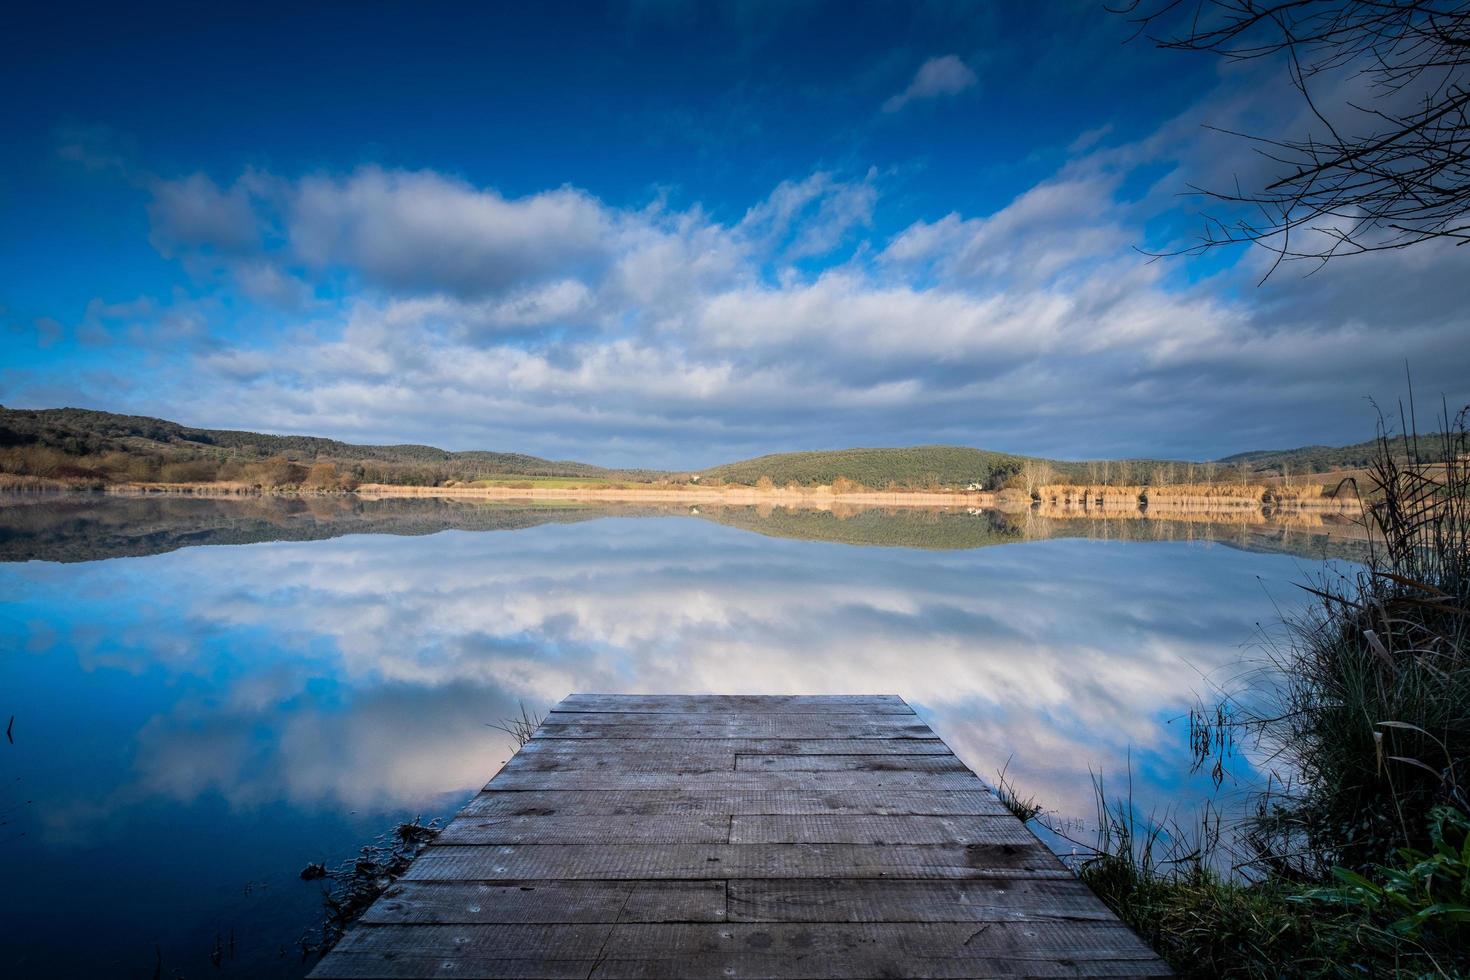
{"x":361,"y":671}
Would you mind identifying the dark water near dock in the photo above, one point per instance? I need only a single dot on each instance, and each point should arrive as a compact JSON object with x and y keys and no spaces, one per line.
{"x":210,"y":693}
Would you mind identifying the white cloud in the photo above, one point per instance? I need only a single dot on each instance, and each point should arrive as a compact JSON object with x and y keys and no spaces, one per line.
{"x":946,"y":75}
{"x":422,"y":230}
{"x":266,"y":282}
{"x":810,"y":217}
{"x":1048,"y":229}
{"x":196,"y":213}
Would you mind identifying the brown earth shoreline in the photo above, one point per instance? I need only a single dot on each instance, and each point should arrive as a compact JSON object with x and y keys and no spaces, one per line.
{"x":822,"y":497}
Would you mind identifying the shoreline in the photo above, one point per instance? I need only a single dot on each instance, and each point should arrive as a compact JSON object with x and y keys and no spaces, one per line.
{"x":822,"y":497}
{"x":1014,"y":501}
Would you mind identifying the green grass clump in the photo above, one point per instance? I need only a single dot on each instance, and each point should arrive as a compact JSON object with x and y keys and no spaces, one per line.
{"x":1407,"y":918}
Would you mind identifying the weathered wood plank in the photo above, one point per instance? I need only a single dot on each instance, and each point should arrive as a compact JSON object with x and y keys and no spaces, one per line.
{"x":356,"y":963}
{"x":817,"y":782}
{"x":617,"y":862}
{"x":657,"y":802}
{"x":486,"y":902}
{"x":942,"y":947}
{"x":356,"y":966}
{"x":727,"y":718}
{"x":868,"y":829}
{"x":678,"y":758}
{"x":889,"y":762}
{"x":874,"y":704}
{"x":667,"y":761}
{"x":749,"y":900}
{"x":500,"y":950}
{"x":618,"y":748}
{"x":560,"y":828}
{"x":777,"y":951}
{"x":882,"y":900}
{"x":768,"y":726}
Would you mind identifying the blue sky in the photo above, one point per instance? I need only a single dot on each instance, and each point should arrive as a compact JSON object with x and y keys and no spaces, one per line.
{"x":670,"y":234}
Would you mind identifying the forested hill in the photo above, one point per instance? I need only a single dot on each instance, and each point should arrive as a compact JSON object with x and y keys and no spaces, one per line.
{"x":106,"y":443}
{"x":911,"y":466}
{"x":1311,"y":459}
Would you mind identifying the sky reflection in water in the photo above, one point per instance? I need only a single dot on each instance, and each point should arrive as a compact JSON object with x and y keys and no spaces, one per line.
{"x":192,"y":727}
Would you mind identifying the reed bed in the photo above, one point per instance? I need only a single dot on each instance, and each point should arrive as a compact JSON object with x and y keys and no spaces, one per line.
{"x":1253,"y":492}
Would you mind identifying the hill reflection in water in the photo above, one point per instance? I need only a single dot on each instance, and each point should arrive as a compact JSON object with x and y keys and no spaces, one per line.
{"x":69,"y":528}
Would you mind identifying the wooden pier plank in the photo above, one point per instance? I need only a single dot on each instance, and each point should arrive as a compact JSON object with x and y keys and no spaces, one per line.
{"x":603,"y":780}
{"x":869,"y":900}
{"x":657,"y":802}
{"x":793,"y":838}
{"x":652,"y":862}
{"x":552,"y":902}
{"x":766,"y":726}
{"x":872,"y":829}
{"x":871,"y":704}
{"x":670,"y":760}
{"x":779,"y":951}
{"x":561,"y":828}
{"x":853,"y":762}
{"x":618,"y":748}
{"x":703,"y":725}
{"x":730,"y":719}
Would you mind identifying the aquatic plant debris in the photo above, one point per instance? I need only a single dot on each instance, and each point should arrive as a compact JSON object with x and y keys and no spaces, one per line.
{"x":356,"y":884}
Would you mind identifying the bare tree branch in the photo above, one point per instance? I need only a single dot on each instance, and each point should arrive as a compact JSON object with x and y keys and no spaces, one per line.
{"x":1383,"y":176}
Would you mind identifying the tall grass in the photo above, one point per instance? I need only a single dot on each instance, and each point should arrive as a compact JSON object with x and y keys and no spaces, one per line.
{"x":1356,"y":862}
{"x":1368,"y":716}
{"x":519,"y":727}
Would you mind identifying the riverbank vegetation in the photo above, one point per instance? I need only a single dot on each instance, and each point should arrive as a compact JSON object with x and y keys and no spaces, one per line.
{"x":1355,"y":862}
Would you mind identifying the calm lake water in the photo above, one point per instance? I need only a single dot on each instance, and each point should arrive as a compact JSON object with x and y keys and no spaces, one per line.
{"x":208,"y":694}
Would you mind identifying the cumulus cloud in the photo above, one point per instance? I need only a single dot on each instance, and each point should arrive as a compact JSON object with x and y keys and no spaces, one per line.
{"x":947,"y":75}
{"x":1048,"y":229}
{"x":425,"y":231}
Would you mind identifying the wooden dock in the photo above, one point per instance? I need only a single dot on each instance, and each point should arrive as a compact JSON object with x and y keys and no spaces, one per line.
{"x":737,"y":837}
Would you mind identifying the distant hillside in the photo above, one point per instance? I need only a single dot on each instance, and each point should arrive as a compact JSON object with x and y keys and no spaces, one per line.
{"x":913,"y":466}
{"x":918,"y":467}
{"x":1321,"y":459}
{"x":952,"y":466}
{"x":80,"y":445}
